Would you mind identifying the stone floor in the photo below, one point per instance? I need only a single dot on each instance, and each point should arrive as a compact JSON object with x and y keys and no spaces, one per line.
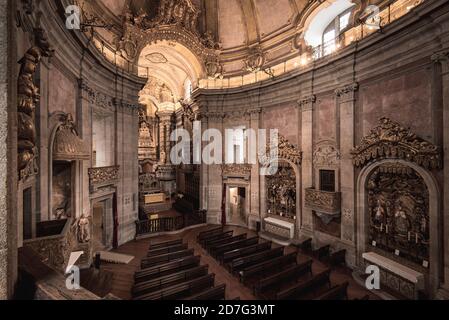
{"x":123,"y":275}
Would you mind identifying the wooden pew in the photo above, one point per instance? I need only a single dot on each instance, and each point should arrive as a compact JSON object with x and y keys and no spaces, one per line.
{"x":278,"y":279}
{"x":338,"y":258}
{"x":256,"y":258}
{"x":208,"y":246}
{"x":214,"y":237}
{"x":265,"y":268}
{"x":322,"y":253}
{"x":160,"y":251}
{"x":306,"y":245}
{"x":218,"y":251}
{"x":164,"y":244}
{"x":181,"y":291}
{"x":168,"y":280}
{"x":167,"y":268}
{"x":215,"y":293}
{"x":339,"y":292}
{"x":309,"y":286}
{"x":205,"y":234}
{"x":156,"y":260}
{"x":245,"y":251}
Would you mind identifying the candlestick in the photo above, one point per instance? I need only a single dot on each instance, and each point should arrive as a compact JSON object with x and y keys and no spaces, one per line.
{"x":381,"y":227}
{"x":409,"y":234}
{"x":386,"y":228}
{"x":416,"y":238}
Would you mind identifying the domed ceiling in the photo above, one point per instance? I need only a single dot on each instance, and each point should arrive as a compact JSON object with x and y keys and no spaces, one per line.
{"x":238,"y":25}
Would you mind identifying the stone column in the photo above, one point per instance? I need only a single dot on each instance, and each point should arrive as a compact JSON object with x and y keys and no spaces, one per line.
{"x":8,"y":151}
{"x":84,"y":123}
{"x":165,"y":129}
{"x":346,"y":101}
{"x":443,"y":59}
{"x":214,"y":182}
{"x":254,"y":118}
{"x":306,"y":105}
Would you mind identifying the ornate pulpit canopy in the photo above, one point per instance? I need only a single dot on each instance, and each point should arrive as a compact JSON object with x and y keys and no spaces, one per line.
{"x":68,"y":146}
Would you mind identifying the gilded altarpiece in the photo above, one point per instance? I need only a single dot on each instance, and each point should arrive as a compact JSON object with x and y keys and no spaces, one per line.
{"x":398,"y":202}
{"x":281,"y":192}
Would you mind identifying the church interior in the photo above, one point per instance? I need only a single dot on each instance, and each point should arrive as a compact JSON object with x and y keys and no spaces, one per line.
{"x":96,"y":96}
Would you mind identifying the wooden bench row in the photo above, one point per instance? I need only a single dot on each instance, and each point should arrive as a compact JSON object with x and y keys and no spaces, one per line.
{"x":164,"y":244}
{"x":165,"y":250}
{"x":254,"y":259}
{"x":215,"y":293}
{"x":208,"y":245}
{"x":156,"y":260}
{"x":307,"y":287}
{"x":205,"y":234}
{"x":181,"y":291}
{"x":278,"y":279}
{"x":245,"y":251}
{"x":266,"y":268}
{"x":168,"y":280}
{"x":166,"y":268}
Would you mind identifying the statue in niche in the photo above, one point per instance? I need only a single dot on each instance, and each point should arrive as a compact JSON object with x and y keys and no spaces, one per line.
{"x":379,"y":213}
{"x":83,"y":232}
{"x":402,"y":224}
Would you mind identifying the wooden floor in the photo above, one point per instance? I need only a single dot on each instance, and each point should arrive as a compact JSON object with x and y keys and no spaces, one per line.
{"x":123,"y":275}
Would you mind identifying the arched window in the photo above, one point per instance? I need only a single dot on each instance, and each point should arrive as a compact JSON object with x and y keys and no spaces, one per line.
{"x":326,"y":24}
{"x":188,"y":89}
{"x":333,"y":30}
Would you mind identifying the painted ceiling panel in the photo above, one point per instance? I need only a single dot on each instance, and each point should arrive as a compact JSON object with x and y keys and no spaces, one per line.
{"x":232,"y":29}
{"x":272,"y":15}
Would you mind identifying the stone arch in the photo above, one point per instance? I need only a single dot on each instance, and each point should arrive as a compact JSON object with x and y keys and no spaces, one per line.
{"x":362,"y":224}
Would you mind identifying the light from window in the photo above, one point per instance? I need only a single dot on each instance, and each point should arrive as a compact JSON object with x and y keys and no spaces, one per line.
{"x":329,"y":42}
{"x":344,"y":20}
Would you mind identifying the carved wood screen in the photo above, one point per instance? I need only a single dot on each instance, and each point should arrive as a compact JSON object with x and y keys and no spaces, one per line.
{"x":398,"y":202}
{"x":281,"y":191}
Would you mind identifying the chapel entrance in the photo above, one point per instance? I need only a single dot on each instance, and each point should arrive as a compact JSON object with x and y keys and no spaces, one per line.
{"x":102,"y":225}
{"x":236,"y":205}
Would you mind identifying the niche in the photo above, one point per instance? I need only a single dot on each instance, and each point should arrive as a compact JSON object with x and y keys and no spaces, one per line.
{"x":62,"y":190}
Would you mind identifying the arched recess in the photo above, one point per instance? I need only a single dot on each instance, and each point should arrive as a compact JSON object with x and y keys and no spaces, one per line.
{"x":362,"y":207}
{"x":296,"y":166}
{"x":172,"y":63}
{"x":65,"y":152}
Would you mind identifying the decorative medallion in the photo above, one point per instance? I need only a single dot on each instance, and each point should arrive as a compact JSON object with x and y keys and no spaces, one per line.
{"x":156,"y":57}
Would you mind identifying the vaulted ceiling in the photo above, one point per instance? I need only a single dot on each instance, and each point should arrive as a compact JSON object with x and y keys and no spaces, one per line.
{"x":237,"y":23}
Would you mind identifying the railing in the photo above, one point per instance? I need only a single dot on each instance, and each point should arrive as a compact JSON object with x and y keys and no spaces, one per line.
{"x":386,"y":16}
{"x":55,"y":249}
{"x":391,"y":13}
{"x":103,"y":176}
{"x":169,"y":224}
{"x":323,"y":201}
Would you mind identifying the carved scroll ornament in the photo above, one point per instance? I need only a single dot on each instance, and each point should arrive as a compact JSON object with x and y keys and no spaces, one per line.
{"x":390,"y":140}
{"x":28,"y":96}
{"x":286,"y":151}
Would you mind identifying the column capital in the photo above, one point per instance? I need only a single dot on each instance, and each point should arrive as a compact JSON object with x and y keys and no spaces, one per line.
{"x":306,"y":103}
{"x":443,"y":58}
{"x":347,"y":92}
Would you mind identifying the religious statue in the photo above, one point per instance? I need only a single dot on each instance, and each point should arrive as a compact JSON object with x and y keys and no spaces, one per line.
{"x":379,"y":213}
{"x":83,"y":232}
{"x":401,"y":221}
